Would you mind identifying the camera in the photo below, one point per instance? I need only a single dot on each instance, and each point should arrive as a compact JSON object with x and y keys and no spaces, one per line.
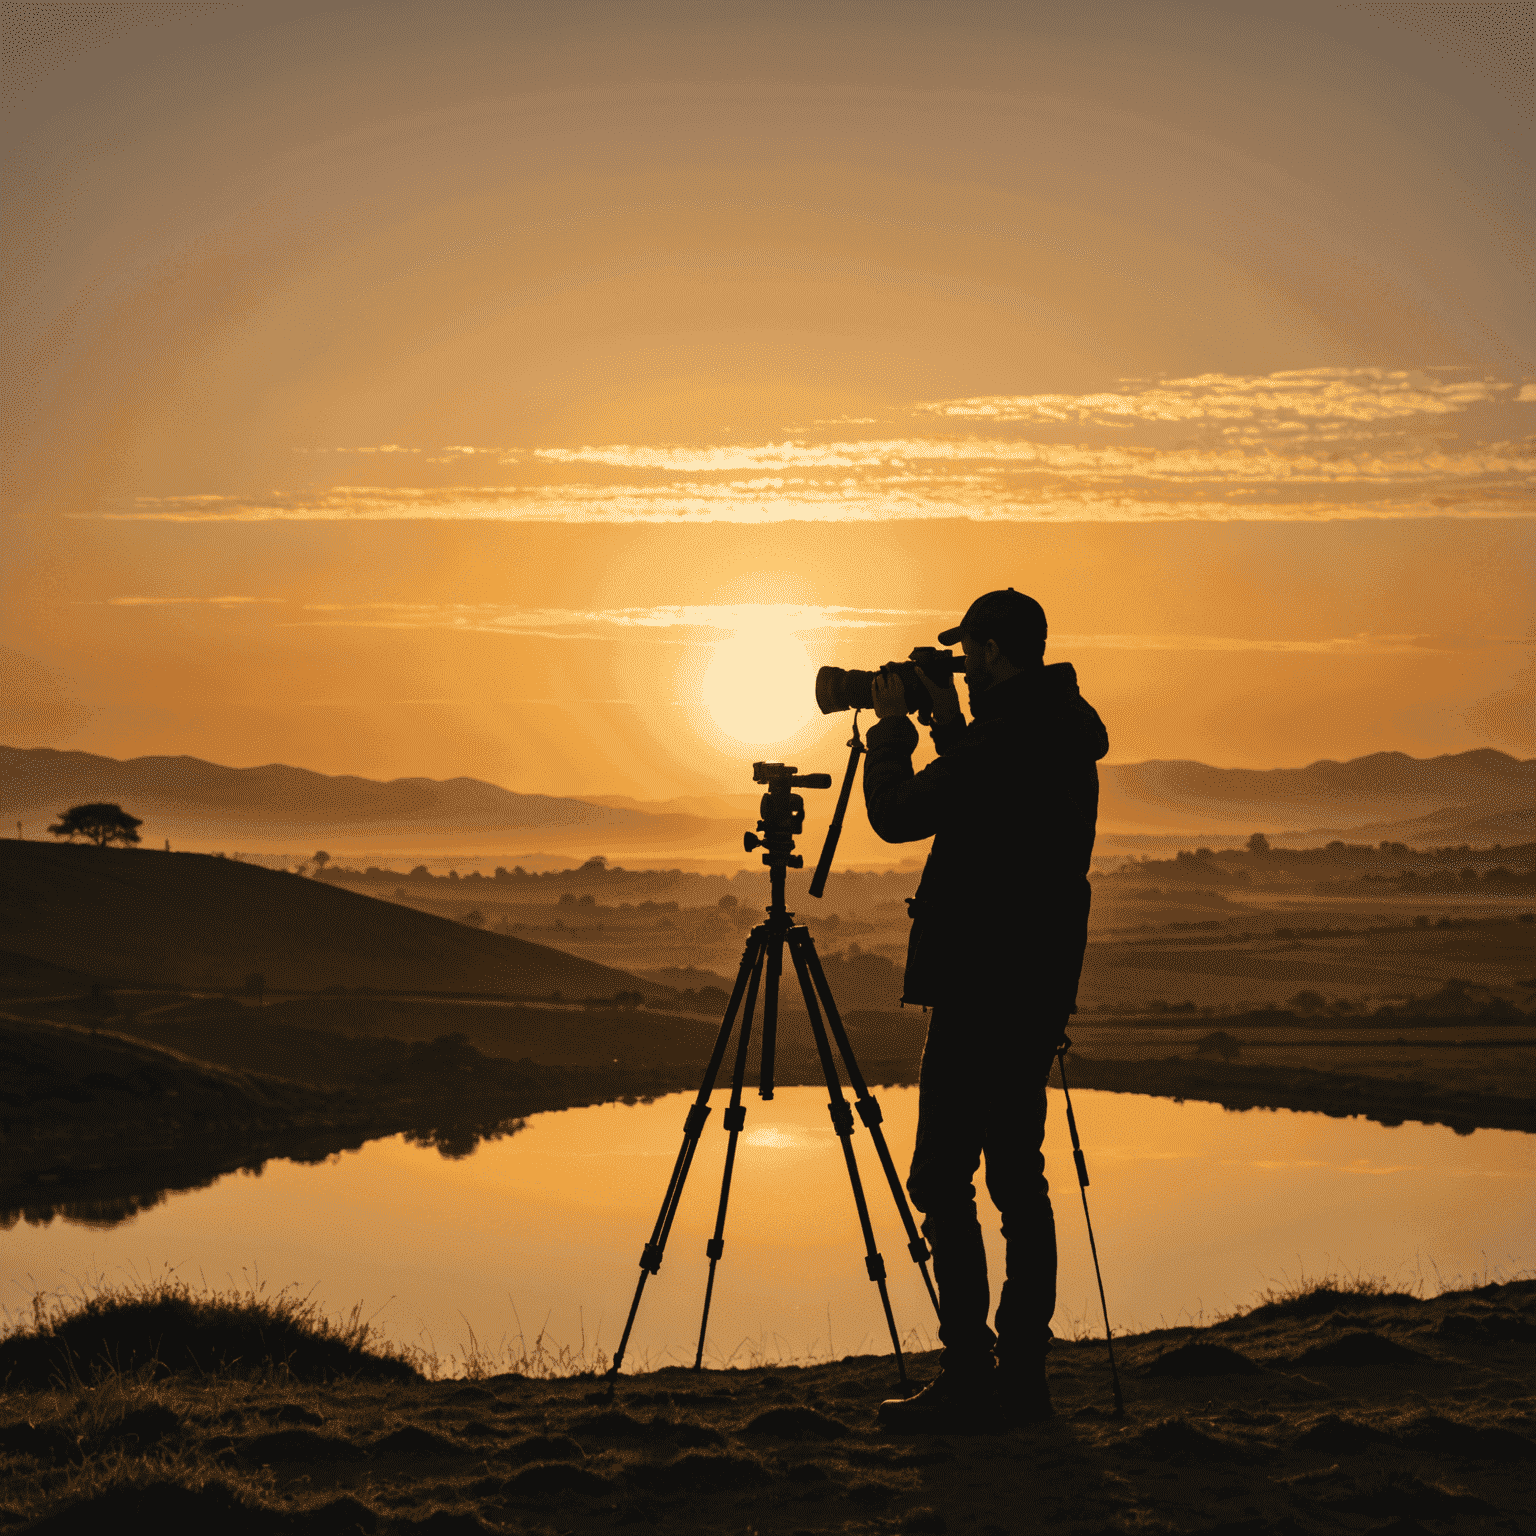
{"x":837,"y":688}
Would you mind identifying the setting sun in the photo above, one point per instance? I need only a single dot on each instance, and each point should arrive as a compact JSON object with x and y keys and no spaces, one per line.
{"x":758,"y":686}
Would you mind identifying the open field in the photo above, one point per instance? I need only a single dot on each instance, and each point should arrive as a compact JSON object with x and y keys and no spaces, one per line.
{"x":1228,"y":931}
{"x":1172,"y":952}
{"x":1251,"y":954}
{"x":1262,"y":955}
{"x":1231,"y":930}
{"x":1339,"y":1409}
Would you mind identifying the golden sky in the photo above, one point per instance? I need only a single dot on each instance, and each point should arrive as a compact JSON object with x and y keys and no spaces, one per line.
{"x":540,"y":393}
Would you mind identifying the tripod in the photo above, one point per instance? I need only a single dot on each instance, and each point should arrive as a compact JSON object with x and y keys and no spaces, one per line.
{"x":762,"y":963}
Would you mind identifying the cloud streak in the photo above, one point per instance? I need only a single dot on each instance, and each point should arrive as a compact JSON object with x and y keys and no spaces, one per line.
{"x":707,"y":623}
{"x":1346,"y":645}
{"x":1337,"y":394}
{"x":170,"y":602}
{"x":1181,"y":466}
{"x":703,"y":621}
{"x":925,"y":478}
{"x":1305,"y":445}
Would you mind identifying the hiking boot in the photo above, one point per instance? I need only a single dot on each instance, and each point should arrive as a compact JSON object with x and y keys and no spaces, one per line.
{"x":952,"y":1400}
{"x":1021,"y":1395}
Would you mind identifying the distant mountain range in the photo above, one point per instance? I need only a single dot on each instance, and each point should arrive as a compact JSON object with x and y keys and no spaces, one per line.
{"x":1476,"y":796}
{"x":39,"y":779}
{"x":277,"y":808}
{"x":1385,"y":792}
{"x":1453,"y":824}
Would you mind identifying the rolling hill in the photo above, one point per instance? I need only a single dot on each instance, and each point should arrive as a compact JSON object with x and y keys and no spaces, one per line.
{"x":149,"y":918}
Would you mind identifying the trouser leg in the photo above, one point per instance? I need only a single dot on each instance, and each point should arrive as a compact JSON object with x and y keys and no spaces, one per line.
{"x":983,"y":1093}
{"x":1013,"y":1146}
{"x":944,"y":1164}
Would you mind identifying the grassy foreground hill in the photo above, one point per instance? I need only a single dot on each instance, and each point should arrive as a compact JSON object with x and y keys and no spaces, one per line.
{"x":151,"y":918}
{"x":1346,"y":1408}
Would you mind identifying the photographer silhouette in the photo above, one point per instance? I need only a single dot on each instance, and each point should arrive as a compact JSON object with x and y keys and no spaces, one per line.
{"x":999,"y":926}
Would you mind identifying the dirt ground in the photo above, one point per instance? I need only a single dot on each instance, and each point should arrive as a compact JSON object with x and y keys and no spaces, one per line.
{"x":1327,"y":1412}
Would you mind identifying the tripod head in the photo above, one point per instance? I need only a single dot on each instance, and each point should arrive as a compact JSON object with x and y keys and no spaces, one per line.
{"x":782,"y":815}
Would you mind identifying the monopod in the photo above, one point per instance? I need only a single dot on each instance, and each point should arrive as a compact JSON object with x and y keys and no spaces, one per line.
{"x":1093,"y":1247}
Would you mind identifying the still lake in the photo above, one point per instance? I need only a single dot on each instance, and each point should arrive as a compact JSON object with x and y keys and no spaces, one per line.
{"x":1196,"y":1209}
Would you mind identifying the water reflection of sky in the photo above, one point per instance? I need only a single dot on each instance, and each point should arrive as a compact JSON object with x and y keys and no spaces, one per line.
{"x":1196,"y":1210}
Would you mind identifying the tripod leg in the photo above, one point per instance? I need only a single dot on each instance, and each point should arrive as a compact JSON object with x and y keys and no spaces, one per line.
{"x":842,"y":1123}
{"x":693,"y":1126}
{"x":868,"y":1106}
{"x":771,"y":1012}
{"x":1093,"y":1247}
{"x":734,"y":1119}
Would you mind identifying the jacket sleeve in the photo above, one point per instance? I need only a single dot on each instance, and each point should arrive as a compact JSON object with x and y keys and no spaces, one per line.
{"x":947,"y":734}
{"x":903,"y":807}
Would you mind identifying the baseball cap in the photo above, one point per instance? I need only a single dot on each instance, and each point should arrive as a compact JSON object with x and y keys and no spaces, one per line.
{"x":999,"y":616}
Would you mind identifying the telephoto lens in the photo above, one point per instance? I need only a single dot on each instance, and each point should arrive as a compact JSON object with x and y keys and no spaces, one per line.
{"x":839,"y":688}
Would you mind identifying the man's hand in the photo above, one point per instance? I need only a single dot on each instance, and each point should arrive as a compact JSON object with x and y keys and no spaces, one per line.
{"x":946,"y":702}
{"x":887,"y":694}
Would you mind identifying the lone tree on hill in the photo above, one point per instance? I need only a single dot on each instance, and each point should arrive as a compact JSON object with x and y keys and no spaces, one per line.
{"x":102,"y":822}
{"x":1258,"y":843}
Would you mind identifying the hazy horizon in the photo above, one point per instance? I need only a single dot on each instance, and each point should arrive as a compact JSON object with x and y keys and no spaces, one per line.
{"x":602,"y":796}
{"x":271,"y":810}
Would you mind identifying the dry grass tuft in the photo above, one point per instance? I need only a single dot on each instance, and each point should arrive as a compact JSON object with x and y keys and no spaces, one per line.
{"x":1343,"y":1291}
{"x":153,"y":1329}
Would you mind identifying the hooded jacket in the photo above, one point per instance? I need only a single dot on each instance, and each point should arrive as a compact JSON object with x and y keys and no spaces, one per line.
{"x":1010,"y":802}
